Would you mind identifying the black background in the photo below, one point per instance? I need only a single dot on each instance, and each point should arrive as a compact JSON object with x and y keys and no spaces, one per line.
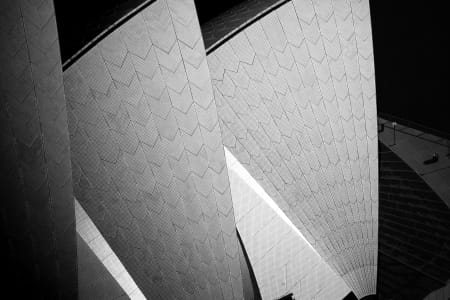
{"x":411,"y":49}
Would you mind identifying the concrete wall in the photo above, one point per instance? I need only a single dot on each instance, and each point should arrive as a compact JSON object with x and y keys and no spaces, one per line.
{"x":282,"y":260}
{"x":147,"y":155}
{"x":37,"y":213}
{"x":295,"y":93}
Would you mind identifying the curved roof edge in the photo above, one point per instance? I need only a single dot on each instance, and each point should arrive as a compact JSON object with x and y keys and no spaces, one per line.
{"x":105,"y":33}
{"x":225,"y":26}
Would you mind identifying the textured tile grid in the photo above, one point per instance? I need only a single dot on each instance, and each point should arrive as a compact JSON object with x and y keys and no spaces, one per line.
{"x":285,"y":263}
{"x":148,"y":160}
{"x":296,"y":101}
{"x":93,"y":238}
{"x":94,"y":280}
{"x":37,"y":212}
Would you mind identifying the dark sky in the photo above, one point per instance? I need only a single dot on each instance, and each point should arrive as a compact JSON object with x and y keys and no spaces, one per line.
{"x":410,"y":44}
{"x":208,"y":9}
{"x":412,"y":61}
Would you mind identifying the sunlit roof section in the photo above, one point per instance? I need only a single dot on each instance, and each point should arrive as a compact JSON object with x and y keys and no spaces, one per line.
{"x":147,"y":152}
{"x":295,"y":95}
{"x":97,"y":243}
{"x":282,"y":259}
{"x":234,"y":165}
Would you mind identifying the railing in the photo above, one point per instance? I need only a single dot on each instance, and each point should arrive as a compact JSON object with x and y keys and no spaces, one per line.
{"x":414,"y":125}
{"x":420,"y":131}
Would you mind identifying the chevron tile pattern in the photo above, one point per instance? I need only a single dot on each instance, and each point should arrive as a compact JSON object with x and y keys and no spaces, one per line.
{"x":147,"y":155}
{"x":38,"y":211}
{"x":282,"y":260}
{"x":295,"y":94}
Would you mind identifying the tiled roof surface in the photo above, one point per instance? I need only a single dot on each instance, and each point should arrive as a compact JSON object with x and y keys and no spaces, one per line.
{"x":282,"y":260}
{"x":94,"y":280}
{"x":148,"y":156}
{"x":101,"y":275}
{"x":37,"y":213}
{"x":295,"y":93}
